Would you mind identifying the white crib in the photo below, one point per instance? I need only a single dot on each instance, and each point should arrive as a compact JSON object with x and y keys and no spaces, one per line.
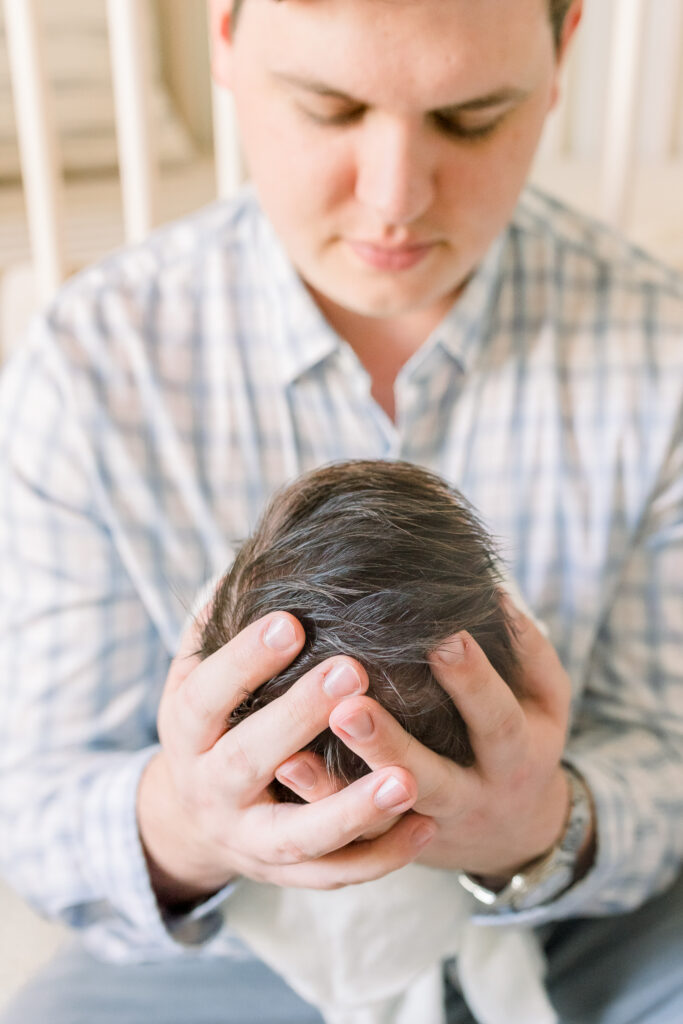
{"x":614,"y":147}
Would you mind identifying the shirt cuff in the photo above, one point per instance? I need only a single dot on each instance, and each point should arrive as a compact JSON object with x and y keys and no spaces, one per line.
{"x":136,"y":927}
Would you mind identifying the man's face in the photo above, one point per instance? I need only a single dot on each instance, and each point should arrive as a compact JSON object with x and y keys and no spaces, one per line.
{"x":388,"y":139}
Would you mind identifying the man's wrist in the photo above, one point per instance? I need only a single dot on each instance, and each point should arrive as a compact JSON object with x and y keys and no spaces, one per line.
{"x":547,"y":876}
{"x":560,"y":804}
{"x":177,"y":889}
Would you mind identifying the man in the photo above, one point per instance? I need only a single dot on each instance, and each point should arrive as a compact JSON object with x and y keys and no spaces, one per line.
{"x":395,"y":300}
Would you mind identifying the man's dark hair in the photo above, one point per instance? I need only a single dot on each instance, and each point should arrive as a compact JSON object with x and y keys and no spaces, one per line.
{"x":381,"y":561}
{"x":557,"y":10}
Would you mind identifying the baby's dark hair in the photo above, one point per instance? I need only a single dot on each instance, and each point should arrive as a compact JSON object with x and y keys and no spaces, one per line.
{"x":381,"y":561}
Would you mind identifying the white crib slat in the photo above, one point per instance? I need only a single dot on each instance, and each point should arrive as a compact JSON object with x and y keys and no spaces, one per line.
{"x":553,"y":138}
{"x":663,"y":50}
{"x":228,"y":159}
{"x":38,"y":145}
{"x":128,"y":26}
{"x":589,"y":94}
{"x":621,"y":122}
{"x":228,"y":156}
{"x":556,"y":134}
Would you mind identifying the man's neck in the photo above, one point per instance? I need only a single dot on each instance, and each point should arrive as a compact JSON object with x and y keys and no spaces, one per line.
{"x":384,"y":345}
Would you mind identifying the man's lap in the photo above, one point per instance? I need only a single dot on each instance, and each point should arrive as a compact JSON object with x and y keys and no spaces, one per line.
{"x":618,"y":970}
{"x":75,"y":988}
{"x":623,"y":970}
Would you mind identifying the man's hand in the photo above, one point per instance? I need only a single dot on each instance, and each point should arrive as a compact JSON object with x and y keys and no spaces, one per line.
{"x":511,"y":805}
{"x":205,"y":812}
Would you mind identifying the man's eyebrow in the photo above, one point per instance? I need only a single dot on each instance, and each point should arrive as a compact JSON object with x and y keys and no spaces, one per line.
{"x":506,"y":94}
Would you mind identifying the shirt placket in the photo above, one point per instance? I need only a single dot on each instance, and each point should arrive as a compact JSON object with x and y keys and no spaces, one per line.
{"x":426,"y":398}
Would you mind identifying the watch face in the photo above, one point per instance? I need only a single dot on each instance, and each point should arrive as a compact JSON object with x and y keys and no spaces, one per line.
{"x":546,"y":880}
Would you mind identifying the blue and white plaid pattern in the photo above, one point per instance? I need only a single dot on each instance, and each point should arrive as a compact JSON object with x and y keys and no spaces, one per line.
{"x":170,"y":390}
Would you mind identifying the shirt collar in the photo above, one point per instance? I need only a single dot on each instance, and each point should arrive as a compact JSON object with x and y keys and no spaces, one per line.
{"x":466,"y":327}
{"x":304,"y":337}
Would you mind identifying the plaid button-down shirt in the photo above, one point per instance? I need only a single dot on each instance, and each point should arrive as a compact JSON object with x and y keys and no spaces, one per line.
{"x":171,"y":389}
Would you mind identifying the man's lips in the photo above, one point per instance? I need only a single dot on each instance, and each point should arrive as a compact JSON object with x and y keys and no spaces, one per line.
{"x":390,"y":257}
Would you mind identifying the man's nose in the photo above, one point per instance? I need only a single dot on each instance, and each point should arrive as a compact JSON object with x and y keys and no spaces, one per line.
{"x":394,"y":177}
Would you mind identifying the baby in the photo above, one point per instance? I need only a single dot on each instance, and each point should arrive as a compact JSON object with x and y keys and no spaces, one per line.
{"x":381,"y":561}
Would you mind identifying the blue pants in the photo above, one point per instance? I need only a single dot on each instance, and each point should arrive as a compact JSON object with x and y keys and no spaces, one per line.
{"x":620,"y":970}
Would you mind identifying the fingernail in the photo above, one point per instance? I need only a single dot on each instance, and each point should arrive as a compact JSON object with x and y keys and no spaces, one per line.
{"x":390,"y":794}
{"x":280,"y":634}
{"x":359,"y":725}
{"x":341,"y":680}
{"x":452,"y":651}
{"x":301,"y":775}
{"x":423,"y":834}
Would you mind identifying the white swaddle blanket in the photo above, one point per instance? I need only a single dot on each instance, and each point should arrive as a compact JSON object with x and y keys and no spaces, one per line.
{"x":372,"y":953}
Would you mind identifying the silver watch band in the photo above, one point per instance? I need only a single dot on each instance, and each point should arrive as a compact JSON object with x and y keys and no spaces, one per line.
{"x":546,"y":877}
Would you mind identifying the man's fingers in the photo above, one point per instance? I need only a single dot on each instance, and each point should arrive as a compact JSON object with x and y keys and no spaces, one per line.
{"x":546,"y":682}
{"x":303,"y":833}
{"x":214,"y":687}
{"x":495,"y":720}
{"x":371,"y":732}
{"x":363,"y":861}
{"x":306,"y":775}
{"x":246,"y":758}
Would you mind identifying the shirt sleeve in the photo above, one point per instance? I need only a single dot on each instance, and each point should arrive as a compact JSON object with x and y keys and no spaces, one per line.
{"x":627,"y":735}
{"x":82,"y":667}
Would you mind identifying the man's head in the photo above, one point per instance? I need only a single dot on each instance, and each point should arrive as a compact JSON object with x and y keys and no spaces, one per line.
{"x":389,"y":139}
{"x":382,"y":562}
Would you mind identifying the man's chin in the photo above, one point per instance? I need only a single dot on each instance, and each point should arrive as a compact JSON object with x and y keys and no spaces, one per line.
{"x":383,"y":303}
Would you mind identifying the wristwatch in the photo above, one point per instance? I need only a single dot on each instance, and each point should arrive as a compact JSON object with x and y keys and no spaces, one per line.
{"x":549,"y":875}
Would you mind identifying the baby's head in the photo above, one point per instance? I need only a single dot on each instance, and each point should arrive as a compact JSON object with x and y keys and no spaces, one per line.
{"x":381,"y":561}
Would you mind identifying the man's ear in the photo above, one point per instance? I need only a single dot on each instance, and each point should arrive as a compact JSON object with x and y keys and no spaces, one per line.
{"x":220,"y":36}
{"x":569,"y":27}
